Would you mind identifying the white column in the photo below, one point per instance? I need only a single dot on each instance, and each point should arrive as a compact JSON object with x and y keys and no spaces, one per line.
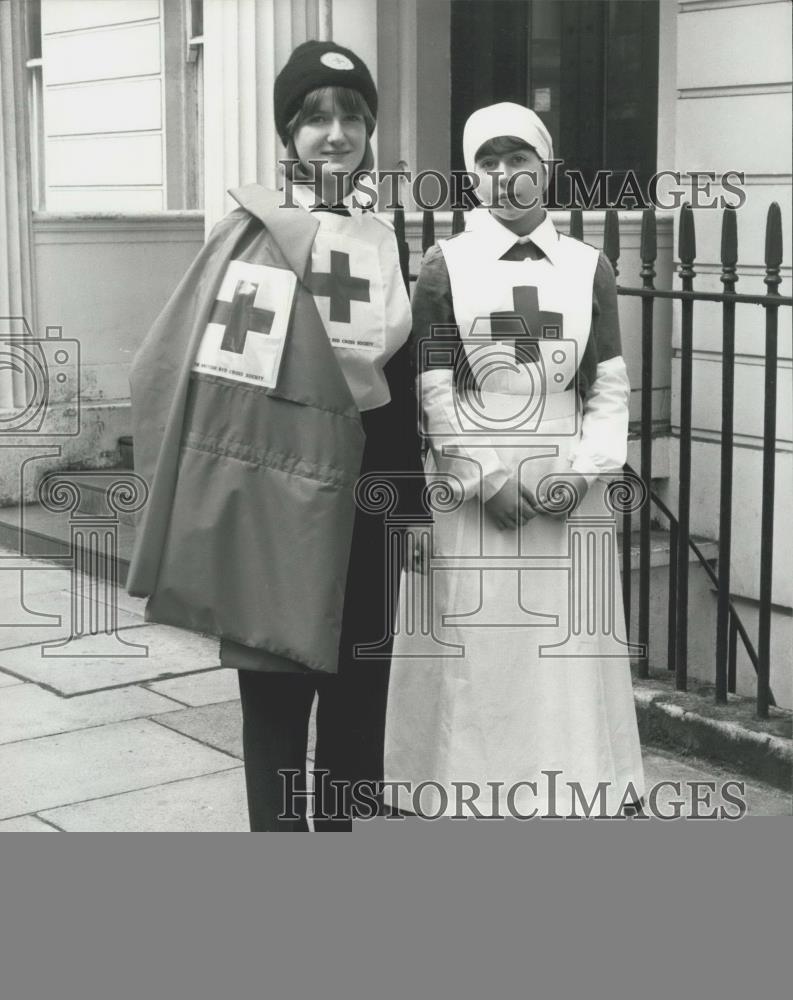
{"x":246,"y":42}
{"x":16,"y":259}
{"x":325,"y":20}
{"x":354,"y":24}
{"x":239,"y":69}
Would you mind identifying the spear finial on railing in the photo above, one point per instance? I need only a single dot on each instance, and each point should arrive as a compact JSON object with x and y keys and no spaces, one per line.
{"x":402,"y":244}
{"x":399,"y":222}
{"x":773,"y":248}
{"x":458,"y":221}
{"x":686,"y":243}
{"x":648,"y":247}
{"x":576,"y":223}
{"x":427,"y":230}
{"x":729,"y":248}
{"x":611,"y":238}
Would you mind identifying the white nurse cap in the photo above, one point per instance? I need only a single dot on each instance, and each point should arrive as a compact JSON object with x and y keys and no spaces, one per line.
{"x":505,"y":119}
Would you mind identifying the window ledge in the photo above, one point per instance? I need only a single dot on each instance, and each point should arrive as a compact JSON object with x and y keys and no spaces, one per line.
{"x":101,"y":218}
{"x":178,"y":226}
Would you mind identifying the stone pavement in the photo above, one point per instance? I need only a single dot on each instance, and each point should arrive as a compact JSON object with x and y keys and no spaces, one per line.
{"x":143,"y":731}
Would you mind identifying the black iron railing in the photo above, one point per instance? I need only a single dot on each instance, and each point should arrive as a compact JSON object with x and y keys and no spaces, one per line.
{"x":729,"y":627}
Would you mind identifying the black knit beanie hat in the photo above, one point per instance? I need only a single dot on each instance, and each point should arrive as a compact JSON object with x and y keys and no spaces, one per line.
{"x":318,"y":64}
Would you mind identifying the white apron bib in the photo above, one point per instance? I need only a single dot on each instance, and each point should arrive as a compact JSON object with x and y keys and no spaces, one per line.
{"x":357,"y":284}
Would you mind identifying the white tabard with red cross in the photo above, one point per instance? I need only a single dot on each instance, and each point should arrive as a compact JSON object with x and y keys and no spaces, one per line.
{"x":357,"y":286}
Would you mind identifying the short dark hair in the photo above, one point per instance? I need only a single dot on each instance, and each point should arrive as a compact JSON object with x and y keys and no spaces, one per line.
{"x":502,"y":144}
{"x":350,"y":101}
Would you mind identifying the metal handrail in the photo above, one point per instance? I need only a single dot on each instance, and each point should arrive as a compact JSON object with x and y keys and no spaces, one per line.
{"x":705,"y":563}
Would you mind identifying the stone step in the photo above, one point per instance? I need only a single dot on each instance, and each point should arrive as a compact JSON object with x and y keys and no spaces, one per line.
{"x":690,"y":722}
{"x":31,"y":530}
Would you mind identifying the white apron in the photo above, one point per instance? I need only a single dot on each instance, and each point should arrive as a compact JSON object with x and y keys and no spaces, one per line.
{"x":360,"y":295}
{"x":510,"y":680}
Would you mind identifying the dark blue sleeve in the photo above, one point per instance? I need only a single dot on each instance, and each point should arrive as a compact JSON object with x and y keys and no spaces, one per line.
{"x":604,"y":334}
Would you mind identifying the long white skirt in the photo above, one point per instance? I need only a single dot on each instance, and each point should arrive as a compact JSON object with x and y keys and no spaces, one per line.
{"x":510,"y":691}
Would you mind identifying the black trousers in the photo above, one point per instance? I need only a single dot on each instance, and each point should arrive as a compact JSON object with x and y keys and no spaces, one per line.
{"x":352,"y":703}
{"x":350,"y":728}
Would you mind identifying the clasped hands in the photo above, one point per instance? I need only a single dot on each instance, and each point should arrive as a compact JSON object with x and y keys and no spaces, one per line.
{"x":515,"y":504}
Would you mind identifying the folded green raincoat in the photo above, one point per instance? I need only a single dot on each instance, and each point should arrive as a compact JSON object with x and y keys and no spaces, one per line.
{"x":247,"y":530}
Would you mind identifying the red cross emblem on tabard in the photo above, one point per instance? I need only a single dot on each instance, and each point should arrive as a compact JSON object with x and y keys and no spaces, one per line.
{"x":508,"y":328}
{"x":240,"y":317}
{"x":338,"y":285}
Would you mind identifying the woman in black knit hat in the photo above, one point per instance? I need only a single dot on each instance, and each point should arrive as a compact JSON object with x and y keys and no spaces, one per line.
{"x":322,"y":72}
{"x":294,"y":385}
{"x":325,"y":107}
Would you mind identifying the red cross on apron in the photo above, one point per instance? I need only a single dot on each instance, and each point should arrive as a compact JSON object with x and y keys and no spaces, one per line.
{"x":338,"y":285}
{"x":525,"y":325}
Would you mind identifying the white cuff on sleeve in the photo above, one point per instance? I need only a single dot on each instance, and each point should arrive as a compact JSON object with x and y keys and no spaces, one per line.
{"x":603,"y":447}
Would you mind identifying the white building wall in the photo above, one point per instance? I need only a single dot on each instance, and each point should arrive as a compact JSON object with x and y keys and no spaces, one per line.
{"x":733,"y":112}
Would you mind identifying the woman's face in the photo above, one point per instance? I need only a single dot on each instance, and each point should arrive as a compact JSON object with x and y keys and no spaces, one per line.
{"x":334,"y":136}
{"x":510,"y":184}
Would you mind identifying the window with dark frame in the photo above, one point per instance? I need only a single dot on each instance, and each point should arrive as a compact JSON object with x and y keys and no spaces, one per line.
{"x":589,"y":68}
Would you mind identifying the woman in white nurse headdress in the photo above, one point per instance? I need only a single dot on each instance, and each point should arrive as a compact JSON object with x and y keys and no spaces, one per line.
{"x":518,"y":698}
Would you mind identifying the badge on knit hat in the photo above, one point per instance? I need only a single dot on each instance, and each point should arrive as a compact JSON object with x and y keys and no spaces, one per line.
{"x":335,"y":60}
{"x":313,"y":65}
